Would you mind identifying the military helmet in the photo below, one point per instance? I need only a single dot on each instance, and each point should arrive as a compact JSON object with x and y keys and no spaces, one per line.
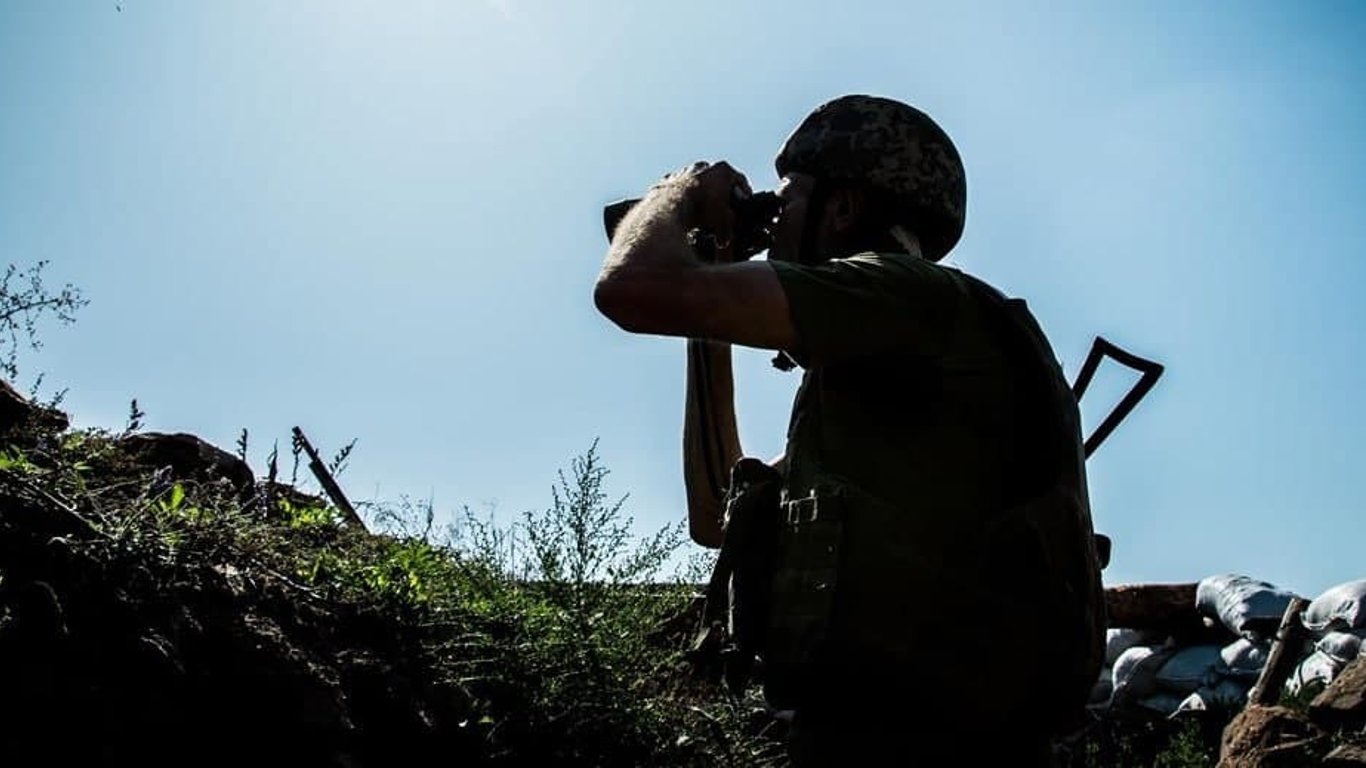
{"x":895,"y":148}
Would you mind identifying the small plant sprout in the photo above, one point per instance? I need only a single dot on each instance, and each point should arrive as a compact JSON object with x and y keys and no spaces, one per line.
{"x":135,"y":416}
{"x":339,"y":461}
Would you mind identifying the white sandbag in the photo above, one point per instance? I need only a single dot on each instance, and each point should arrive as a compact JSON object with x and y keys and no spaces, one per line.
{"x":1134,"y":676}
{"x":1165,"y":704}
{"x":1339,"y":607}
{"x":1190,"y":668}
{"x":1316,"y":667}
{"x":1341,"y":647}
{"x":1124,"y":666}
{"x":1120,"y":639}
{"x":1227,"y":695}
{"x":1246,"y":606}
{"x":1192,"y":703}
{"x":1243,"y":658}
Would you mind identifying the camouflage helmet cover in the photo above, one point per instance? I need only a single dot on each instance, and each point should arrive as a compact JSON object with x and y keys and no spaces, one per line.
{"x":894,"y":147}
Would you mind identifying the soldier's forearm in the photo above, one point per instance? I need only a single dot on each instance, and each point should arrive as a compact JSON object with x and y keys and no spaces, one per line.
{"x":711,"y":440}
{"x":652,"y":236}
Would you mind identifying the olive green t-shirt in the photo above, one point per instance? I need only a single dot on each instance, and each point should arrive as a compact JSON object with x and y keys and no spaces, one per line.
{"x":911,"y":422}
{"x":907,"y":393}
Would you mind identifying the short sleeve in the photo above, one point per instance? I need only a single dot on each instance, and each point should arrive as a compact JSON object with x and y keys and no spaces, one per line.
{"x":868,"y":304}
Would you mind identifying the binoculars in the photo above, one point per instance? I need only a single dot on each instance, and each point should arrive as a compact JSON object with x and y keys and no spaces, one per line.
{"x":754,"y":217}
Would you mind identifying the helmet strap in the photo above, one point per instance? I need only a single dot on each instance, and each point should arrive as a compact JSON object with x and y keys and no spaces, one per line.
{"x":815,"y":212}
{"x":908,"y":241}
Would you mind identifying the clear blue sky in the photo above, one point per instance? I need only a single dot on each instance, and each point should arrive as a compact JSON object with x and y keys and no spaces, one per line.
{"x":382,"y":221}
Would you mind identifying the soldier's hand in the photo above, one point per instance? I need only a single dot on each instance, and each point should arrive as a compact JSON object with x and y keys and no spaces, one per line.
{"x":711,"y":189}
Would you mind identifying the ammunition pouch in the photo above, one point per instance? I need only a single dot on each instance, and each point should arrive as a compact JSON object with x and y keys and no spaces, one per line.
{"x":738,"y":599}
{"x":840,"y":586}
{"x":810,"y":543}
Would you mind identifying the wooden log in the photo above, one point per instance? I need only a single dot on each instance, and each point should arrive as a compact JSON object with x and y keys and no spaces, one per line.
{"x":329,"y":483}
{"x":1152,"y":606}
{"x":1284,"y":654}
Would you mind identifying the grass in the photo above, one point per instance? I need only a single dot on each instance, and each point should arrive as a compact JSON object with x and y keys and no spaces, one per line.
{"x":536,"y":643}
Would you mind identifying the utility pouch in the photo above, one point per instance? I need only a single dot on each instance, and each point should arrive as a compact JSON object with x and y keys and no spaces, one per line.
{"x":738,"y":602}
{"x":804,"y":584}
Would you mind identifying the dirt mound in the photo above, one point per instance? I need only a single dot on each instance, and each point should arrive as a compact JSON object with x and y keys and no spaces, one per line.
{"x":123,"y":650}
{"x":1328,"y":732}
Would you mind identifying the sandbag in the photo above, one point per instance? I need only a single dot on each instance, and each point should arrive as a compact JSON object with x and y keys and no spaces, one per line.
{"x":1190,"y":668}
{"x":1339,"y":607}
{"x":1243,"y":658}
{"x":1165,"y":704}
{"x":1120,"y":639}
{"x":1316,"y":667}
{"x":1135,"y":672}
{"x":1246,"y":606}
{"x":1341,"y":647}
{"x":1227,"y":694}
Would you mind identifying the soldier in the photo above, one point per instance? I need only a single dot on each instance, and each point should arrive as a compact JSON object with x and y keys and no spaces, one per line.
{"x":934,"y":592}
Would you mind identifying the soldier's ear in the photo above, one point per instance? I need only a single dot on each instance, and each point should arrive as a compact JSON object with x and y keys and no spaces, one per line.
{"x":846,"y":204}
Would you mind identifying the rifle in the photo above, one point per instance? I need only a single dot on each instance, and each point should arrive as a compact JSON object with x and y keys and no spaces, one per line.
{"x":1150,"y":370}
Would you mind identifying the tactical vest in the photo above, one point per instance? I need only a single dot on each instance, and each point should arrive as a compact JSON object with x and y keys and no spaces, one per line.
{"x":839,"y":586}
